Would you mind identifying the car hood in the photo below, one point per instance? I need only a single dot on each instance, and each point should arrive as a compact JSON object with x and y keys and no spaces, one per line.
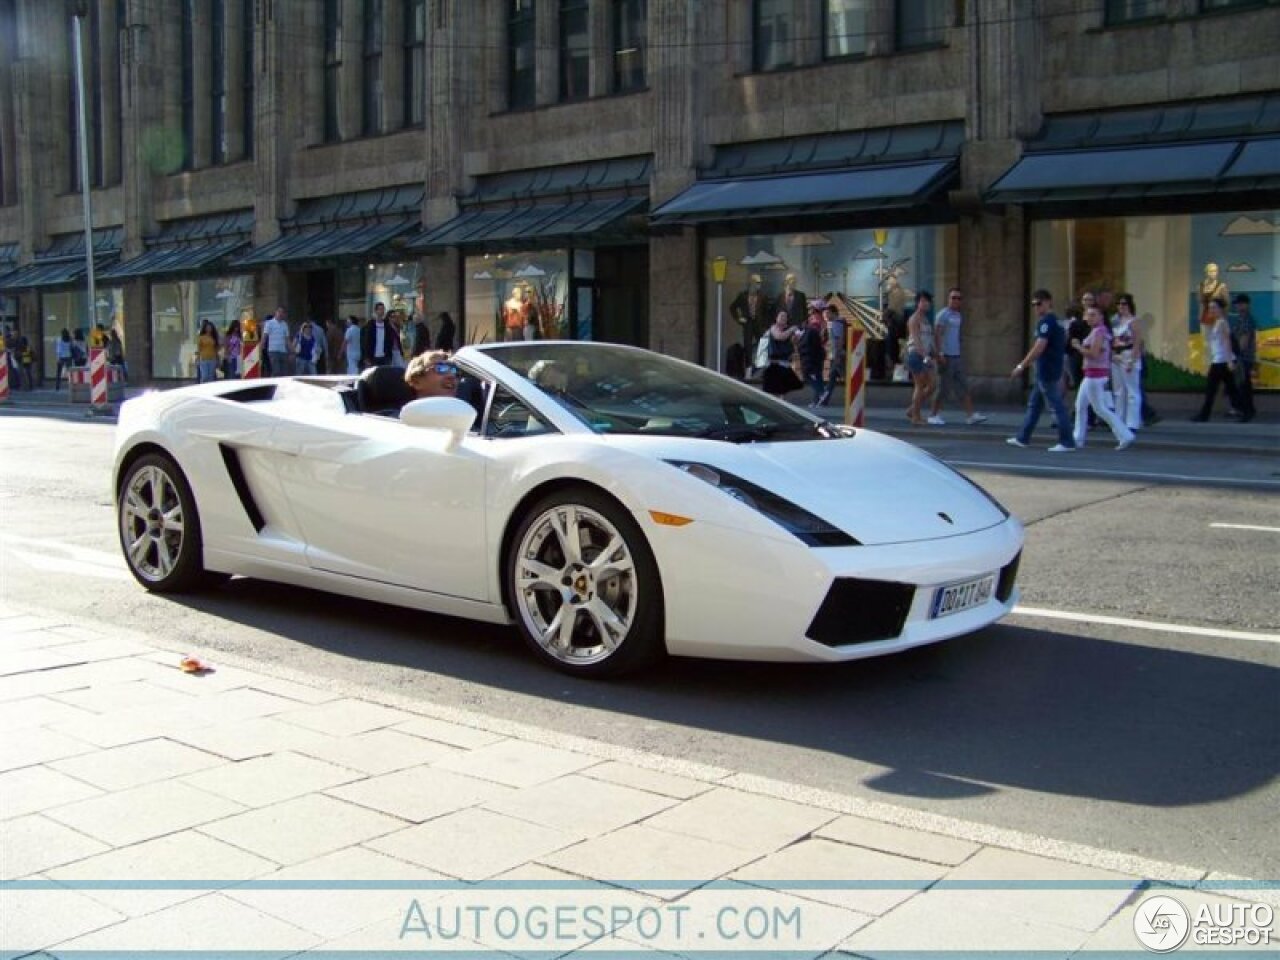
{"x":877,"y":489}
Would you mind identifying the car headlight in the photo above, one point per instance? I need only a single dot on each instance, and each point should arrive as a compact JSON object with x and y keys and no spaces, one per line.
{"x":797,"y":521}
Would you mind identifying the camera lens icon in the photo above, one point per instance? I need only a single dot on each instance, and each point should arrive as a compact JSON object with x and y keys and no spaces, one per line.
{"x":1161,"y":924}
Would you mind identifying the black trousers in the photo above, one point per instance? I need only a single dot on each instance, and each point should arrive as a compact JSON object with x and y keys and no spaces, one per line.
{"x":1220,"y":374}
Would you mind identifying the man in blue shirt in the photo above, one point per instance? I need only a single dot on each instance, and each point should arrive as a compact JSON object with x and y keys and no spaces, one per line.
{"x":1049,"y":354}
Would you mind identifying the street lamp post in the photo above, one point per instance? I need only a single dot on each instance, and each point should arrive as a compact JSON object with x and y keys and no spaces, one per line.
{"x":80,"y":10}
{"x":719,"y":266}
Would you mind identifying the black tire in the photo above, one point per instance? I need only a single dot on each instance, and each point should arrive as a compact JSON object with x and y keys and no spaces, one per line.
{"x":614,"y":602}
{"x":159,"y":527}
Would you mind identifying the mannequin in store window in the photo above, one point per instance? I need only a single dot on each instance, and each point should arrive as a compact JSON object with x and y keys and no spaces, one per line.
{"x":517,"y":314}
{"x":1211,"y":288}
{"x":794,"y":302}
{"x":753,"y":313}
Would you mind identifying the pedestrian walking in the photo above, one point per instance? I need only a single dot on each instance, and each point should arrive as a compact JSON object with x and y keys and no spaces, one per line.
{"x":1095,"y":349}
{"x":951,"y":374}
{"x":1222,"y":362}
{"x":1048,"y":354}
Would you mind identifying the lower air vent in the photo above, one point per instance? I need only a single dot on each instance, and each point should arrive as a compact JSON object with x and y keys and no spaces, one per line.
{"x":861,"y":611}
{"x":240,"y":483}
{"x":1008,"y":574}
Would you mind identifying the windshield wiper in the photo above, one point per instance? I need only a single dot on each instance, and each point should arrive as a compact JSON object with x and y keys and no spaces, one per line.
{"x":739,"y":432}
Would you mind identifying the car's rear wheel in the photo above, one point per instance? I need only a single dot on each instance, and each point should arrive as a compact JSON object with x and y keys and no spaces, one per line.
{"x":584,"y":586}
{"x":160,"y":526}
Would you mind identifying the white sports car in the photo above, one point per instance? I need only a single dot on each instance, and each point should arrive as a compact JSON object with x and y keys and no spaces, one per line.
{"x":613,"y":503}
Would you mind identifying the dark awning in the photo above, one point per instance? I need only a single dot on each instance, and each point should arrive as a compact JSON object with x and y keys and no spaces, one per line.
{"x":178,"y":258}
{"x":320,"y":242}
{"x":1117,"y":172}
{"x":1189,"y":149}
{"x":64,"y":261}
{"x":529,"y":222}
{"x":876,"y":186}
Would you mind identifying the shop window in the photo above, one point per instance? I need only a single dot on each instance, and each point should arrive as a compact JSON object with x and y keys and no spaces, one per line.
{"x":332,"y":69}
{"x":920,"y":23}
{"x":521,"y":55}
{"x":844,"y":28}
{"x":180,"y":307}
{"x":248,"y":112}
{"x":415,"y":62}
{"x":630,"y":44}
{"x":772,"y":27}
{"x":1166,"y":264}
{"x":575,"y":50}
{"x":394,"y":285}
{"x":1133,"y":11}
{"x":515,"y":295}
{"x":372,"y":121}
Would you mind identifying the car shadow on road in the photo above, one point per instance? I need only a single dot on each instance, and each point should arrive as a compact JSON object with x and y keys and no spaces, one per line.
{"x":1009,"y":706}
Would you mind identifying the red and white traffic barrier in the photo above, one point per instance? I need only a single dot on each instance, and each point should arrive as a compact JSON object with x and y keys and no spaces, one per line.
{"x":251,"y":362}
{"x":855,"y":395}
{"x":4,"y":377}
{"x":97,"y":376}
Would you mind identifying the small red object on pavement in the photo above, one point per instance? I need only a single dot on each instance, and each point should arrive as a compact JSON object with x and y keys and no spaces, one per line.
{"x":194,"y":665}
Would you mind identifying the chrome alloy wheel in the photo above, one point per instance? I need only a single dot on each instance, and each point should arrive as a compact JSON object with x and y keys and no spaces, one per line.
{"x":575,"y":580}
{"x":152,"y":525}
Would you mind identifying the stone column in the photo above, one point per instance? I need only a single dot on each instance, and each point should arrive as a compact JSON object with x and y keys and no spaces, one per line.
{"x":394,"y":29}
{"x":601,"y":32}
{"x":1002,"y":110}
{"x":109,"y":73}
{"x":41,"y":90}
{"x":351,"y":74}
{"x":679,"y":138}
{"x":547,"y":54}
{"x":440,"y":273}
{"x":234,"y":82}
{"x":202,"y":87}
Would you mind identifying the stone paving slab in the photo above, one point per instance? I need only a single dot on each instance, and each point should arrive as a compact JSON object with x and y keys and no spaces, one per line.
{"x":33,"y":920}
{"x":32,"y":789}
{"x":888,"y":838}
{"x":380,"y":751}
{"x":140,"y":813}
{"x":38,"y":746}
{"x":37,"y":712}
{"x":585,"y":806}
{"x":35,"y":843}
{"x":120,"y":768}
{"x":302,"y":829}
{"x":654,"y":781}
{"x":262,"y":781}
{"x":516,"y":763}
{"x":342,"y":718}
{"x":758,"y":824}
{"x":419,"y":793}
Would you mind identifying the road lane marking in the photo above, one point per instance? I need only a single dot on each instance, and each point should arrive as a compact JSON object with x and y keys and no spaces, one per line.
{"x":1119,"y":474}
{"x":56,"y":556}
{"x":1245,"y":526}
{"x":1146,"y":624}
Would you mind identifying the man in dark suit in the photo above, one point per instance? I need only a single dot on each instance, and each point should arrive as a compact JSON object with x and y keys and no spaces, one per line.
{"x":751,"y":310}
{"x":380,"y":339}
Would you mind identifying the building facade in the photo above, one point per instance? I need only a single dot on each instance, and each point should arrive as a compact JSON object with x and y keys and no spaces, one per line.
{"x":626,"y":169}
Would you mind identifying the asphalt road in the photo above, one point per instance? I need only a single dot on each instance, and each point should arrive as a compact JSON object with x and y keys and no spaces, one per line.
{"x":1149,"y":741}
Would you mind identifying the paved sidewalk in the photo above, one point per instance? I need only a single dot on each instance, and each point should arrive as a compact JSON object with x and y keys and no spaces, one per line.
{"x":143,"y":808}
{"x":886,"y":412}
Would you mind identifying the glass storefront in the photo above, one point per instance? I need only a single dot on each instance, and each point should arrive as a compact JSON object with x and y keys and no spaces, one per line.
{"x":179,"y":307}
{"x":65,"y":309}
{"x":1166,"y":263}
{"x":514,"y":296}
{"x":395,"y":285}
{"x":878,"y":271}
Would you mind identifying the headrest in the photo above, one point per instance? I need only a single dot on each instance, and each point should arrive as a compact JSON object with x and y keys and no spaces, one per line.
{"x":381,"y":389}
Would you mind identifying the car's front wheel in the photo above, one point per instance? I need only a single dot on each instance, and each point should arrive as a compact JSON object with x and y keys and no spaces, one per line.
{"x":584,"y":586}
{"x":159,"y":526}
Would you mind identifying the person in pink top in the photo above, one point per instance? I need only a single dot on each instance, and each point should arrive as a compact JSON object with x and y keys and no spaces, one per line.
{"x":1096,"y":350}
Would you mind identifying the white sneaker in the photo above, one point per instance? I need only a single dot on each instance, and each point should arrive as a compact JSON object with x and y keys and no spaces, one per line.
{"x":1059,"y":448}
{"x":1126,"y":444}
{"x":1015,"y":442}
{"x":977,"y":418}
{"x":937,"y":421}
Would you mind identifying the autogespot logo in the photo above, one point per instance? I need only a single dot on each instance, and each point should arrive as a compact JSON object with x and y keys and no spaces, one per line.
{"x":1161,"y":924}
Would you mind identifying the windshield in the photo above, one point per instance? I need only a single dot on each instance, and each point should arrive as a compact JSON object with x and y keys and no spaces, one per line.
{"x":616,"y":389}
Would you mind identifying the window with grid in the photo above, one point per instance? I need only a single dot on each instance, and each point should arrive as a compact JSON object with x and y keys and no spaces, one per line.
{"x":521,"y":51}
{"x":575,"y":50}
{"x":332,"y":68}
{"x":415,"y":62}
{"x":772,"y":27}
{"x":188,"y":84}
{"x":844,"y":28}
{"x":372,"y":123}
{"x":630,"y":22}
{"x":1133,"y":11}
{"x":1207,"y":5}
{"x":94,"y":91}
{"x":246,"y":80}
{"x":920,"y":23}
{"x":218,"y":81}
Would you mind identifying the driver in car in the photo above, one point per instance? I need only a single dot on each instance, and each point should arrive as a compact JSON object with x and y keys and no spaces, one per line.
{"x":432,"y":374}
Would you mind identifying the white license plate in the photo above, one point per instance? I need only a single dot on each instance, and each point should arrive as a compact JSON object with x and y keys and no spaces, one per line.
{"x":959,"y":597}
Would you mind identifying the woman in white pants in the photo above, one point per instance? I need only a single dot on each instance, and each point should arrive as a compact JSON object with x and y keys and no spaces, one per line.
{"x":1126,"y":362}
{"x":1096,"y":350}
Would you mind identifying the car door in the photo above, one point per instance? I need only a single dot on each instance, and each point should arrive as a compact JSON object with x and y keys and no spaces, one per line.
{"x":380,"y":500}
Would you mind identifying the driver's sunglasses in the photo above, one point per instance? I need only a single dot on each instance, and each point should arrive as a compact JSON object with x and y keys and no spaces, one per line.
{"x":445,"y":369}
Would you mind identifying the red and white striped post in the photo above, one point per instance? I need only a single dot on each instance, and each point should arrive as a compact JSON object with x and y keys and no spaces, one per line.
{"x":251,"y":362}
{"x":97,"y":377}
{"x":4,"y":374}
{"x":855,"y":395}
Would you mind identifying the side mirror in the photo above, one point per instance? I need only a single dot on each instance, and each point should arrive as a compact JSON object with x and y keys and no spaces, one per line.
{"x":449,"y":414}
